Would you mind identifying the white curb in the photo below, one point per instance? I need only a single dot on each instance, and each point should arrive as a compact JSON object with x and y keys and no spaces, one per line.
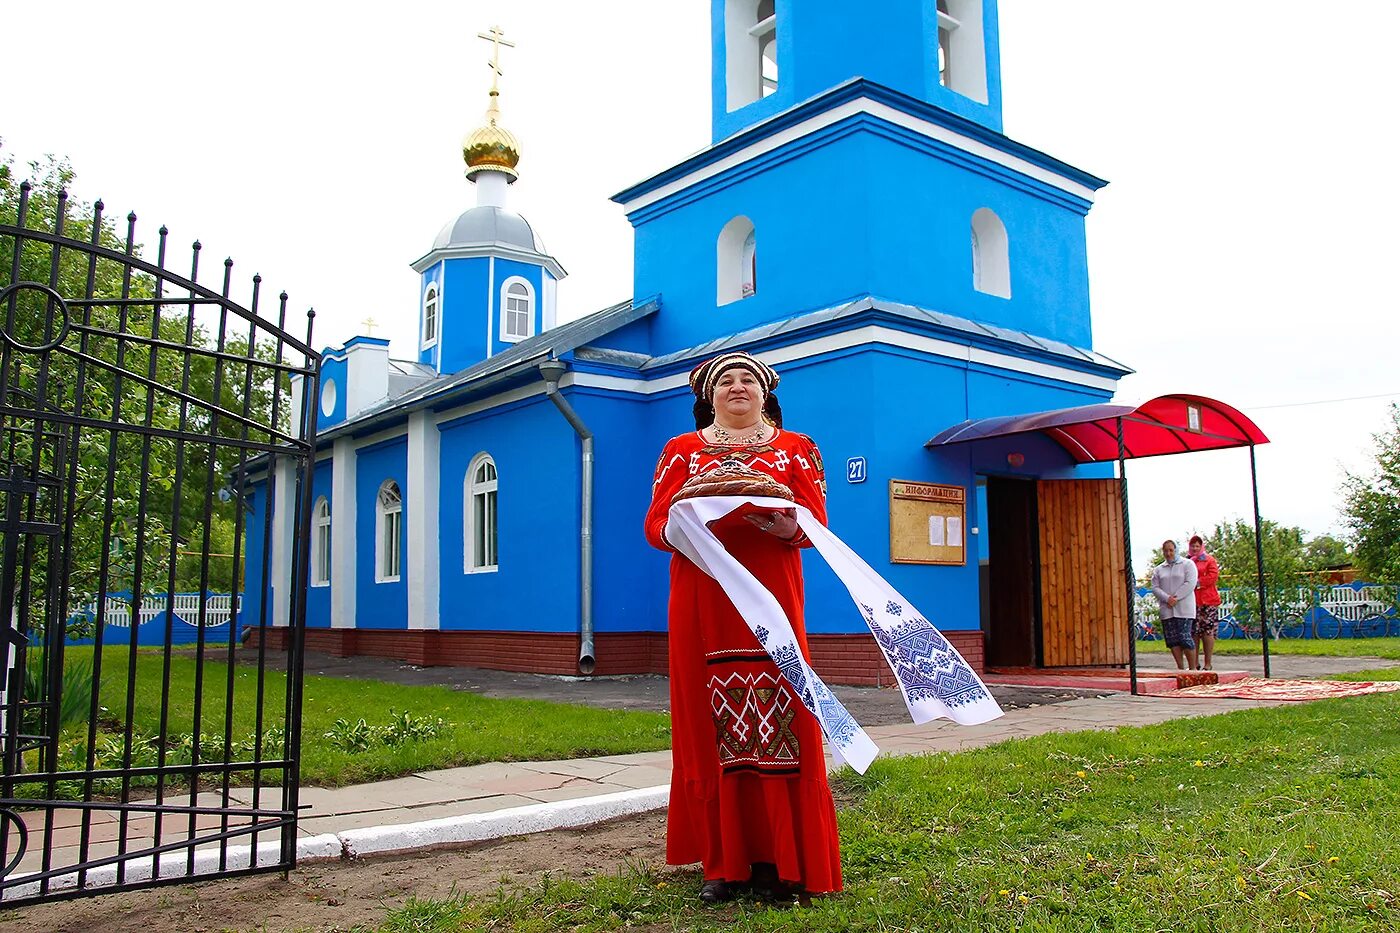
{"x":176,"y":865}
{"x":517,"y":821}
{"x":406,"y":837}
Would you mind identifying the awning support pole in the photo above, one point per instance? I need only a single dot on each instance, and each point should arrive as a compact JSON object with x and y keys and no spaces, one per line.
{"x":1259,"y":560}
{"x":1128,"y":561}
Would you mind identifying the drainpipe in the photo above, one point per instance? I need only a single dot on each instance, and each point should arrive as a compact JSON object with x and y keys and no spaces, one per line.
{"x":552,"y":370}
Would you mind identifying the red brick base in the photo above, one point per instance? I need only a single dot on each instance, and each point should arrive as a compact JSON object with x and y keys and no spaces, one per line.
{"x":840,"y":659}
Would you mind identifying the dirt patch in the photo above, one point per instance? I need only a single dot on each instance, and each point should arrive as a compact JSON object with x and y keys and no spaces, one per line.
{"x":331,"y":896}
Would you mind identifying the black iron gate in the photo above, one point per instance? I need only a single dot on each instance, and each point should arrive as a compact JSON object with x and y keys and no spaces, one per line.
{"x":141,"y":744}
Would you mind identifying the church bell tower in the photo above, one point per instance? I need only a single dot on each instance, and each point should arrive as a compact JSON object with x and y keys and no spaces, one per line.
{"x":770,"y":55}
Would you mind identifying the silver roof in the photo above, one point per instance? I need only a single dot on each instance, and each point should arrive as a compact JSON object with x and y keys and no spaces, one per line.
{"x":489,"y":226}
{"x":962,"y":327}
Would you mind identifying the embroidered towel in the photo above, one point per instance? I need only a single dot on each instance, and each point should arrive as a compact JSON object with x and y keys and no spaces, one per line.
{"x":934,"y":678}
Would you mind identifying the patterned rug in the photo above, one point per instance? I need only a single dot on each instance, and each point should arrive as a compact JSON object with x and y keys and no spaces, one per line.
{"x":1257,"y":688}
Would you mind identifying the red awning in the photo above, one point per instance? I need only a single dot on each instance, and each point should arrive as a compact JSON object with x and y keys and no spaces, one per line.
{"x":1170,"y":424}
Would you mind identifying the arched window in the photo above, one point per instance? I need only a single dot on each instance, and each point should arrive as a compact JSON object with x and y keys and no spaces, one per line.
{"x":430,"y":316}
{"x":751,"y":50}
{"x":321,"y":543}
{"x":480,"y":522}
{"x":736,"y":262}
{"x":991,"y":261}
{"x":517,"y":310}
{"x":388,"y":536}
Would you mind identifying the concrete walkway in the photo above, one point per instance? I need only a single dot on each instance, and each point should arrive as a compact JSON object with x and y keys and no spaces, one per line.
{"x":509,"y":798}
{"x":497,"y":786}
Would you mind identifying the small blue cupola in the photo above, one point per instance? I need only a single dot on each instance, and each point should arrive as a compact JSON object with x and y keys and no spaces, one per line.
{"x":770,"y":55}
{"x":487,"y":282}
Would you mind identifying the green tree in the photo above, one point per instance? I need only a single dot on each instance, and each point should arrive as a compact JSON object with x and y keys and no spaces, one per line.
{"x":1372,"y":506}
{"x":1324,"y":552}
{"x":1287,"y":587}
{"x":127,"y":365}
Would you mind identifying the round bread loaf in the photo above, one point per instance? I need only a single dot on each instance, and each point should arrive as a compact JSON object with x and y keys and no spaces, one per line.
{"x":732,"y":478}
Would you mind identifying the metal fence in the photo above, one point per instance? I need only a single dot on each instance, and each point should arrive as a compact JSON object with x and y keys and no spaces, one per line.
{"x":134,"y":404}
{"x":1348,"y":610}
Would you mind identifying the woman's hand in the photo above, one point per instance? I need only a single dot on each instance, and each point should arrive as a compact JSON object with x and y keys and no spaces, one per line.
{"x":781,"y":524}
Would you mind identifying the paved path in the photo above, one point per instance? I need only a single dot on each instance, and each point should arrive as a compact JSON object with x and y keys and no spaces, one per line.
{"x":1291,"y":666}
{"x":481,"y":788}
{"x":497,"y":786}
{"x":487,"y":788}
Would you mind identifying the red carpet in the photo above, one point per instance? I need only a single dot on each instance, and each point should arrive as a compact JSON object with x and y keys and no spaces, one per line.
{"x":1257,"y":688}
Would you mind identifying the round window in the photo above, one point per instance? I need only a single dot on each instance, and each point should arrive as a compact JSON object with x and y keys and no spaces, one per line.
{"x":328,"y":398}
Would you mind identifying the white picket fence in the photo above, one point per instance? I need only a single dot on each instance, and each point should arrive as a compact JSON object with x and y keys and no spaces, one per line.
{"x":1343,"y":603}
{"x":219,"y":608}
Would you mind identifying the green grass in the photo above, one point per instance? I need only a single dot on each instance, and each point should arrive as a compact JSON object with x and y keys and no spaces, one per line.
{"x":1317,"y":647}
{"x":1380,"y":673}
{"x":477,"y":729}
{"x":1269,"y":819}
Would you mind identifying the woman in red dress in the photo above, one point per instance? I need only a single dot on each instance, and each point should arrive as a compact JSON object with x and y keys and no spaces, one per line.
{"x":749,"y":795}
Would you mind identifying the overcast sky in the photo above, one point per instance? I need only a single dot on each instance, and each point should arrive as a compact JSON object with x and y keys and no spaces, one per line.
{"x":1243,"y":249}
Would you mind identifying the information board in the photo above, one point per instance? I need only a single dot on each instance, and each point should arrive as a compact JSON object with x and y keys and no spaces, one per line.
{"x":927,"y":523}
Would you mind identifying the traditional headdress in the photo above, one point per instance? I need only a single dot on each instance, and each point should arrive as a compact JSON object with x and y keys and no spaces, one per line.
{"x":704,"y":377}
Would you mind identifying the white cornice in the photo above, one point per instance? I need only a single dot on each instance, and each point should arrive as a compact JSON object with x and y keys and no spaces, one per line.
{"x":489,"y":250}
{"x":889,"y":114}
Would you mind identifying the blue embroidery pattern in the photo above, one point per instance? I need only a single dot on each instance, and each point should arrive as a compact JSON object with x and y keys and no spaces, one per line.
{"x":840,"y":726}
{"x":926,"y":665}
{"x":762,"y":634}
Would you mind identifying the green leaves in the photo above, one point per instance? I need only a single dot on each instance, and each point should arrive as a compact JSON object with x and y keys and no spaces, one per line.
{"x":1372,"y":506}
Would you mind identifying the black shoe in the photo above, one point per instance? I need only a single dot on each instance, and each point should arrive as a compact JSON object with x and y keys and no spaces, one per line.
{"x":715,"y":892}
{"x":766,"y":884}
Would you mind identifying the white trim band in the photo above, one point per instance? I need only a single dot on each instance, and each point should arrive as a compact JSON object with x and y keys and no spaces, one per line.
{"x":863,"y":105}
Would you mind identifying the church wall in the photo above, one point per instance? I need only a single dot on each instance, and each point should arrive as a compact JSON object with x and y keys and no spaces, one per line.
{"x":318,"y":598}
{"x":921,"y":251}
{"x":255,"y":590}
{"x":333,"y":371}
{"x":429,"y":355}
{"x":630,"y":576}
{"x":801,"y":210}
{"x":465,"y":293}
{"x":537,"y":462}
{"x":865,"y":214}
{"x":634,"y":338}
{"x":380,"y":605}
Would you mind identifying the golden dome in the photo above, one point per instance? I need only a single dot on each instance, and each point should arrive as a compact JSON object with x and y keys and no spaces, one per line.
{"x":491,"y":148}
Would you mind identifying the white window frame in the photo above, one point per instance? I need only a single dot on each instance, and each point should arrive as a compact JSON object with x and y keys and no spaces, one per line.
{"x":960,"y":54}
{"x":489,"y":491}
{"x":506,"y":335}
{"x":321,"y":543}
{"x":432,"y":297}
{"x":388,"y":514}
{"x":735,"y":261}
{"x":991,"y":254}
{"x":746,"y":38}
{"x":765,"y":32}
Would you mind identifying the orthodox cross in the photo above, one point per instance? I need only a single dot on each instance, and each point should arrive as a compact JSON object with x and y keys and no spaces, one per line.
{"x":369,"y":325}
{"x":493,"y":36}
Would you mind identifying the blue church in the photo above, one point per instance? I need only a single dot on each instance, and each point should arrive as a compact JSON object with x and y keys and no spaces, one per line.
{"x":861,"y":223}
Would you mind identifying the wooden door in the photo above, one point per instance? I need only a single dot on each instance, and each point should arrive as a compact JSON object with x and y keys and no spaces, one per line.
{"x":1083,"y":590}
{"x":1011,"y":545}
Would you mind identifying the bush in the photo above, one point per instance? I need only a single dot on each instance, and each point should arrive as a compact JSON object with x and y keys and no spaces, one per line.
{"x":75,"y":698}
{"x":360,"y":736}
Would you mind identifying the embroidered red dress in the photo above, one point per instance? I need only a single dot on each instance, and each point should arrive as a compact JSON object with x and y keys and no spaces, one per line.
{"x":748,"y":780}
